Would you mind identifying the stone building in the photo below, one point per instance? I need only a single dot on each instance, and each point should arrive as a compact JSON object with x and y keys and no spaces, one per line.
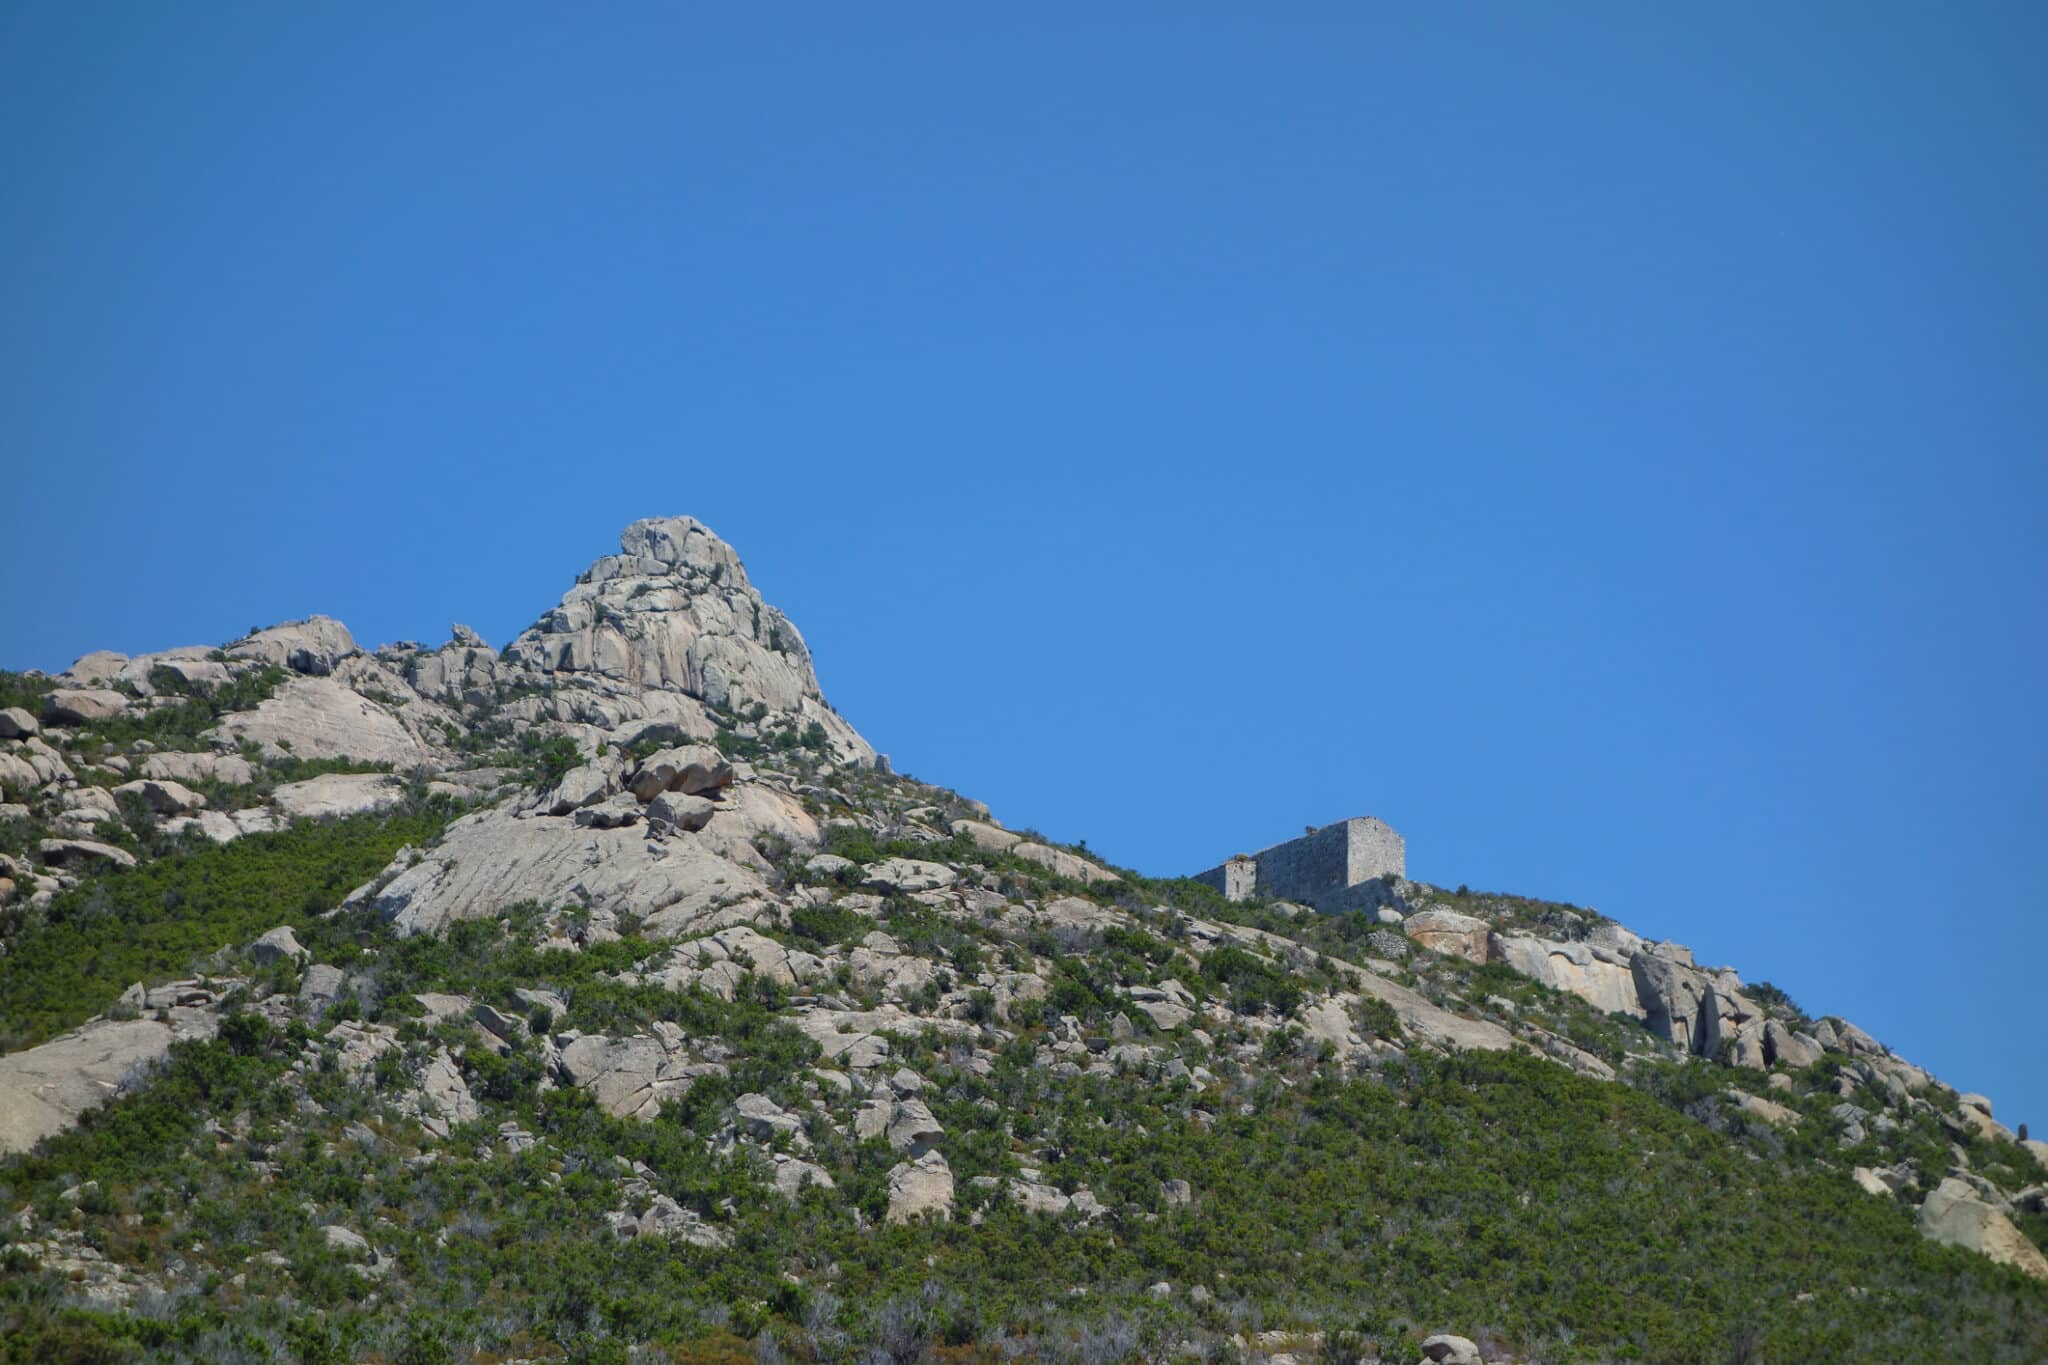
{"x":1333,"y":868}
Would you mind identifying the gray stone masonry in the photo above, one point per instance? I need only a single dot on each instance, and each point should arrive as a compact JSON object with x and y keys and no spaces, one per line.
{"x":1325,"y":868}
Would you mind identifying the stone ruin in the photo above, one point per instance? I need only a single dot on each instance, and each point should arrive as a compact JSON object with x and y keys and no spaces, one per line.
{"x":1336,"y":868}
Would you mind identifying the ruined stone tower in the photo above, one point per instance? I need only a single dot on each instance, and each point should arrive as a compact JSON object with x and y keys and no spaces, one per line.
{"x":1328,"y":868}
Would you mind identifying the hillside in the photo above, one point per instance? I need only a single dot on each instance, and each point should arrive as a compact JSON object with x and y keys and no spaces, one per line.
{"x":606,"y":997}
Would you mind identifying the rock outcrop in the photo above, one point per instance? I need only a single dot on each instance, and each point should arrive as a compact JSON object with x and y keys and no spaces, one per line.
{"x":1956,"y":1215}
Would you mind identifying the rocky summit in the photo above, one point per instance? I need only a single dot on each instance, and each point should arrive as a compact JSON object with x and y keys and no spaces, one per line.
{"x":605,"y":997}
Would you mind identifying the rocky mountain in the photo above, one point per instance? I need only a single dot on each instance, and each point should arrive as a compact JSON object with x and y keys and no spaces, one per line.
{"x":605,"y":997}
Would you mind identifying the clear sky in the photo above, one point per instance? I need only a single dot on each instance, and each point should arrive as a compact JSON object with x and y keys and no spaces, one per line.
{"x":1603,"y":440}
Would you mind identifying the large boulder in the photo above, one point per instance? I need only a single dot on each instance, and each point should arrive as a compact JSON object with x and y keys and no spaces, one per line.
{"x":278,"y":945}
{"x":1444,"y":1348}
{"x":16,"y":723}
{"x":1674,"y":999}
{"x":312,"y":646}
{"x":1446,"y":931}
{"x":163,"y":796}
{"x":82,"y":705}
{"x":586,"y":784}
{"x":626,"y":1077}
{"x":922,"y":1188}
{"x":1954,"y":1215}
{"x":692,"y":770}
{"x":82,"y":852}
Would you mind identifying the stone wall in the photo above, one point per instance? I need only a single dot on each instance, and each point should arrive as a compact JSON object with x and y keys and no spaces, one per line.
{"x":1321,"y":868}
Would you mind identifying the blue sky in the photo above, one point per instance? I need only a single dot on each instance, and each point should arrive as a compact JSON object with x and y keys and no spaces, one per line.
{"x":1603,"y":441}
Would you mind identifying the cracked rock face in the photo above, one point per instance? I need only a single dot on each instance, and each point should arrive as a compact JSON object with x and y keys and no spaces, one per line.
{"x":673,"y":611}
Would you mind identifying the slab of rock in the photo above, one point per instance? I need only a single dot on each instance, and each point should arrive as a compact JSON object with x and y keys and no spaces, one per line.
{"x":1785,"y":1047}
{"x":319,"y":718}
{"x":988,"y":837}
{"x":82,"y":705}
{"x":1062,"y":863}
{"x":1954,"y":1215}
{"x":490,"y":859}
{"x":16,"y":723}
{"x":921,"y":1189}
{"x":333,"y":796}
{"x":1596,"y":975}
{"x":45,"y":1088}
{"x":346,"y":1241}
{"x":177,"y":767}
{"x":1447,"y":931}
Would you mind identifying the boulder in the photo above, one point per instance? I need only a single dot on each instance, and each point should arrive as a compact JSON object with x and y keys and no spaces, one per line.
{"x":16,"y":723}
{"x":692,"y":770}
{"x":100,"y":666}
{"x":320,"y":988}
{"x":312,"y":646}
{"x":760,"y":1117}
{"x":586,"y":784}
{"x":76,"y":852}
{"x":349,"y":1243}
{"x":614,"y":812}
{"x":792,"y":1175}
{"x":1446,"y":931}
{"x":1674,"y":999}
{"x":82,"y":705}
{"x":1787,"y":1048}
{"x":445,"y":1098}
{"x":907,"y":875}
{"x":163,"y":796}
{"x":666,"y":1218}
{"x":921,"y":1188}
{"x":683,"y":812}
{"x":277,"y":945}
{"x":627,"y":1077}
{"x":1446,"y":1349}
{"x":1955,"y":1216}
